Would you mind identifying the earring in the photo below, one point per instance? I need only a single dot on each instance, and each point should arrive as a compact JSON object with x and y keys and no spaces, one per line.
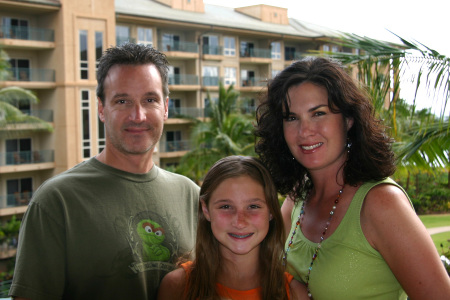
{"x":349,"y":145}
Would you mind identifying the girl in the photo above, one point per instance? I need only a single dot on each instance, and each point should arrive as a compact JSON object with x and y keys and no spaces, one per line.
{"x":240,"y":237}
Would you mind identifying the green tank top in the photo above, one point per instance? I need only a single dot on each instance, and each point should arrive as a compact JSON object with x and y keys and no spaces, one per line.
{"x":347,"y":267}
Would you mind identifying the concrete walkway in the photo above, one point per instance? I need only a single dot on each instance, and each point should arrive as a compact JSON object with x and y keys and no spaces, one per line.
{"x":438,"y":229}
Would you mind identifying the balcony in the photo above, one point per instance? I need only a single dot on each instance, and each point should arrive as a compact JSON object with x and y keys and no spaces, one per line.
{"x":212,"y":52}
{"x":16,"y":199}
{"x":30,"y":78}
{"x":26,"y":157}
{"x":186,"y":112}
{"x":180,"y":50}
{"x":256,"y":55}
{"x":124,"y":39}
{"x":183,"y":82}
{"x":26,"y":37}
{"x":254,"y":84}
{"x":175,"y":146}
{"x":290,"y":56}
{"x":43,"y":114}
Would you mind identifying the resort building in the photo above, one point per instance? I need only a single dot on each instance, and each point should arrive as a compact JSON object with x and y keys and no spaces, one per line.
{"x":53,"y":47}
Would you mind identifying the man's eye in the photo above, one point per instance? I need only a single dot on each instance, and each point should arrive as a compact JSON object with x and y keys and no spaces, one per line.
{"x":224,"y":207}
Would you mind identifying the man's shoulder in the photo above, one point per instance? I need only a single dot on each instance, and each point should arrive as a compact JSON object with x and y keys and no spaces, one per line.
{"x":175,"y":177}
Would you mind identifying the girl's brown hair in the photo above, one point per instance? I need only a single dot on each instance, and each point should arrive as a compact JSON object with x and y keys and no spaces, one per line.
{"x":203,"y":275}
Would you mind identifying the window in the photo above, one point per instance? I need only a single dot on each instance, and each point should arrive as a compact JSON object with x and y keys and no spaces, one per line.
{"x":98,"y":47}
{"x":101,"y":135}
{"x":335,"y":49}
{"x":174,"y":75}
{"x":289,"y":53}
{"x":20,"y":69}
{"x":248,"y":78}
{"x":247,"y":49}
{"x":85,"y":125}
{"x":229,"y":46}
{"x":326,"y":48}
{"x":19,"y":191}
{"x":230,"y":76}
{"x":210,"y":76}
{"x":174,"y":107}
{"x":122,"y":34}
{"x":84,"y":66}
{"x":211,"y":45}
{"x":276,"y":50}
{"x":18,"y":151}
{"x":173,"y":140}
{"x":171,"y":42}
{"x":145,"y":36}
{"x":15,"y":28}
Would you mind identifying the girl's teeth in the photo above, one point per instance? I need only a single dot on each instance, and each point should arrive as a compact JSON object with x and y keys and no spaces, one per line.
{"x":240,"y":236}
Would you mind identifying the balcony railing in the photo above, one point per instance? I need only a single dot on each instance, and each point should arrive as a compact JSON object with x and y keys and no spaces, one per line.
{"x":256,"y":52}
{"x":16,"y":199}
{"x":210,"y":80}
{"x":28,"y":74}
{"x":186,"y":112}
{"x":212,"y":50}
{"x":293,"y":56}
{"x":183,"y":79}
{"x":124,"y":39}
{"x":255,"y":81}
{"x":179,"y":46}
{"x":174,"y":146}
{"x":27,"y":33}
{"x":43,"y":114}
{"x":26,"y":157}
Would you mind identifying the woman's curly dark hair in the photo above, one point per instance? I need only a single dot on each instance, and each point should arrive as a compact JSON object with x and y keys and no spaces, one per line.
{"x":370,"y":157}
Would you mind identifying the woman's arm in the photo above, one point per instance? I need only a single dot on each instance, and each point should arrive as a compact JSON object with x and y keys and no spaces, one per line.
{"x":392,"y":227}
{"x":172,"y":286}
{"x":298,"y":290}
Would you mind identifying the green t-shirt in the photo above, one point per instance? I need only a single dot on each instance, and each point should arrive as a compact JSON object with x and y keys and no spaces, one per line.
{"x":96,"y":232}
{"x":347,"y":267}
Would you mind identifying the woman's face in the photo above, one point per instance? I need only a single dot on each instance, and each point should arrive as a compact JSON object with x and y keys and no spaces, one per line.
{"x":315,"y":136}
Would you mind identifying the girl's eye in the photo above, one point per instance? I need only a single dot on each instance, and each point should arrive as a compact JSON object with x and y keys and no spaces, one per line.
{"x":289,"y":118}
{"x":254,"y":206}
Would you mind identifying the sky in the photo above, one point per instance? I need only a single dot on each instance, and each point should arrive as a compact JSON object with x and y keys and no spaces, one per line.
{"x":424,"y":22}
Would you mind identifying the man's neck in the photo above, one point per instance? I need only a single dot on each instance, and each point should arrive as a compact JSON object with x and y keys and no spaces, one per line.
{"x":137,"y":164}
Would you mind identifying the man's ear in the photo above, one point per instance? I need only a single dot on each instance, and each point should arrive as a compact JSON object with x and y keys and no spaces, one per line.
{"x":166,"y":109}
{"x":101,"y":116}
{"x":205,"y":210}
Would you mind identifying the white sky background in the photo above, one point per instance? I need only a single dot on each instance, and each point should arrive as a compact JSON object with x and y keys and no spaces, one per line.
{"x":426,"y":22}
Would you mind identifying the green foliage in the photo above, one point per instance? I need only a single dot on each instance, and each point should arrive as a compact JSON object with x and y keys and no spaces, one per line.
{"x":225,"y":132}
{"x":9,"y":229}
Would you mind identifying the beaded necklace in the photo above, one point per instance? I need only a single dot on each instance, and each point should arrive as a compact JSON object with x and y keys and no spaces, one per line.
{"x":319,"y":244}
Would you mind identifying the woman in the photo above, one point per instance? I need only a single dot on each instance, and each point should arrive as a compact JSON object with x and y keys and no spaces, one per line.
{"x":240,"y":240}
{"x":353,"y":233}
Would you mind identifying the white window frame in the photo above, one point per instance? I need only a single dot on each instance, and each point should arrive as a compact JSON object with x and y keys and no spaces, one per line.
{"x":275,"y":50}
{"x":229,"y":48}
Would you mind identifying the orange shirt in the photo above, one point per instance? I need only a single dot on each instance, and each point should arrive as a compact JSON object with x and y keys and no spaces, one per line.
{"x":227,"y":293}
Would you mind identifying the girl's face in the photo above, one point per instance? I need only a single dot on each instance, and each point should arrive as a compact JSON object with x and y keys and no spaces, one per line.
{"x":239,"y":216}
{"x":315,"y":136}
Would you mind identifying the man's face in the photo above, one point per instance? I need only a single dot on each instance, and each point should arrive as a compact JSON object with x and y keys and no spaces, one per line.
{"x":134,"y":110}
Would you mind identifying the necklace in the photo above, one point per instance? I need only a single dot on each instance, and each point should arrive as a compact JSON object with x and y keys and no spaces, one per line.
{"x":319,"y":244}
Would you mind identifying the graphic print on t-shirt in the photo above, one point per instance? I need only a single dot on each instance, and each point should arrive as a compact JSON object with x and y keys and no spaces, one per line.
{"x":152,"y":241}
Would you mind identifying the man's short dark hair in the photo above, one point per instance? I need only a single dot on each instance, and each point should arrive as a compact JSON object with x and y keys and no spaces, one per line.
{"x":132,"y":54}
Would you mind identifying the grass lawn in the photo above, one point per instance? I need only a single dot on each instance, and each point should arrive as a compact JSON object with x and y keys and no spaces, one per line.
{"x":443,"y":238}
{"x":431,"y":221}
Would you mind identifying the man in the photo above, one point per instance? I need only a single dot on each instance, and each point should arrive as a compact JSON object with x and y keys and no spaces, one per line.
{"x":113,"y":226}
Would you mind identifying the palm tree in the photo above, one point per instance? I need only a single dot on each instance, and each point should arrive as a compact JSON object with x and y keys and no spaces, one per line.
{"x":11,"y":117}
{"x":225,"y":132}
{"x":381,"y":66}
